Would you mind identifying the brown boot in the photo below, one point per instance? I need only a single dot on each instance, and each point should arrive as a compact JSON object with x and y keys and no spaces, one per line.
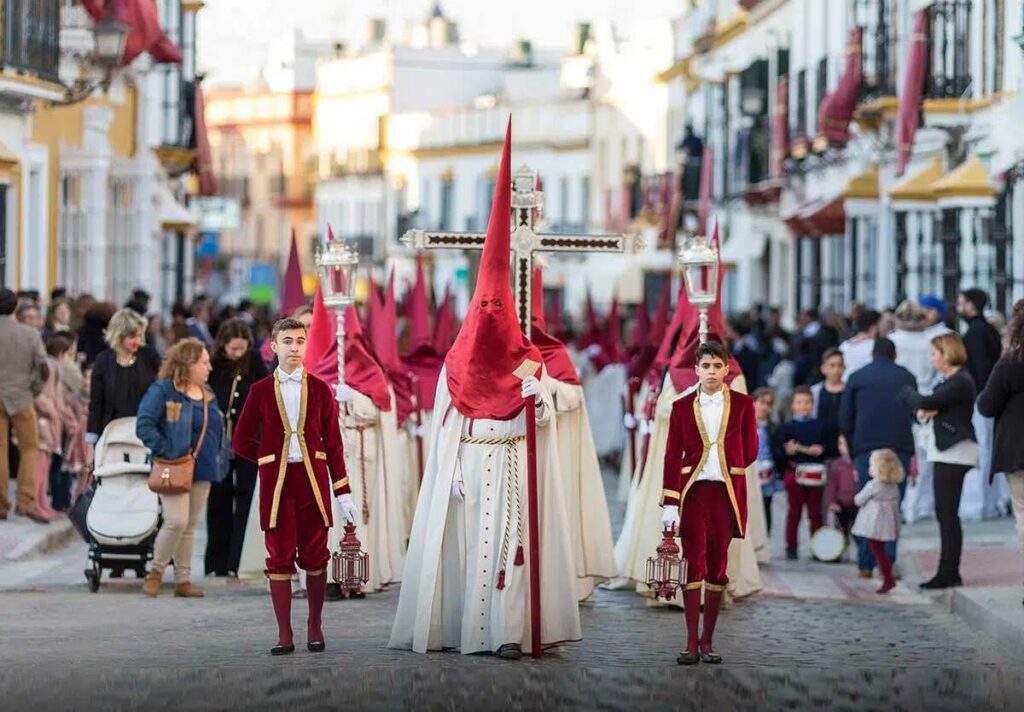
{"x":151,"y":585}
{"x":187,"y":590}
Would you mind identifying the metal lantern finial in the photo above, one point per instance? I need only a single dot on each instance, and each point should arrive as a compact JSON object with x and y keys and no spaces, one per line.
{"x":666,"y":571}
{"x":700,"y":269}
{"x":350,"y":565}
{"x":337,"y":264}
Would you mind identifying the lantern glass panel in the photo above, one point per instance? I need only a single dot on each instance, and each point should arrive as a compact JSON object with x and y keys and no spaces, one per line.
{"x":111,"y":37}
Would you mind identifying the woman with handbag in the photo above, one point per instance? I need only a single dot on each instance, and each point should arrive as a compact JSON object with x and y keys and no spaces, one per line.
{"x":235,"y":368}
{"x":179,"y":422}
{"x":951,"y":447}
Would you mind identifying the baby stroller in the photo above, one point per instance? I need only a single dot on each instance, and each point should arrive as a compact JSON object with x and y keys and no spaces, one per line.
{"x":124,"y":515}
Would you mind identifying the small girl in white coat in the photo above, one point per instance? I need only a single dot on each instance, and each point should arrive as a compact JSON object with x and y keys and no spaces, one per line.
{"x":878,"y":520}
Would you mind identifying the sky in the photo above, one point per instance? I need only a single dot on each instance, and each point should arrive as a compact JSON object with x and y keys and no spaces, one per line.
{"x":233,"y":34}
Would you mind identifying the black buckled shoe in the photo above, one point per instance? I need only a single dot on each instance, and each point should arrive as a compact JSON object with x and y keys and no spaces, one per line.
{"x":710,"y":657}
{"x":316,"y":646}
{"x":282,"y":649}
{"x":333,"y":592}
{"x":509,"y":651}
{"x":688,"y":658}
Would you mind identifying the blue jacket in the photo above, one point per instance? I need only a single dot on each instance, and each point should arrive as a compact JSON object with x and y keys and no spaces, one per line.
{"x":872,"y":415}
{"x":169,"y":423}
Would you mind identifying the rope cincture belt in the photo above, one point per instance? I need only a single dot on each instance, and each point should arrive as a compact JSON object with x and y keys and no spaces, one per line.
{"x":362,"y":470}
{"x":513,"y":510}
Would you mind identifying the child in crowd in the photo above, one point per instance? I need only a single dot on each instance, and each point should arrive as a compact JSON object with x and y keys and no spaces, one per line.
{"x":827,"y":395}
{"x":841,"y":488}
{"x":767,"y":432}
{"x":878,"y":520}
{"x":802,"y":451}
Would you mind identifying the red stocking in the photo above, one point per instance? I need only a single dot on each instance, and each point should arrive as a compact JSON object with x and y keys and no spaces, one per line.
{"x":281,"y":595}
{"x":712,"y":602}
{"x":691,"y":607}
{"x":884,"y":564}
{"x":316,"y":589}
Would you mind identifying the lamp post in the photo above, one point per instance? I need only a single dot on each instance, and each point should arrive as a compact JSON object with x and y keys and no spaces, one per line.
{"x":700,"y":270}
{"x":336,"y":265}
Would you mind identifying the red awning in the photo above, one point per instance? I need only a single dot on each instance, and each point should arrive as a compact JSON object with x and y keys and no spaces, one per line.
{"x":145,"y":33}
{"x":204,"y":158}
{"x":909,"y":115}
{"x":818,"y":217}
{"x":837,"y":107}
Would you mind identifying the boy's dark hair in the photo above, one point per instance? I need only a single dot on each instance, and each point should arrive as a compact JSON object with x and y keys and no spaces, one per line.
{"x":830,"y":352}
{"x":58,"y":344}
{"x":884,"y":348}
{"x":803,"y":391}
{"x":715,"y":349}
{"x":761,"y":392}
{"x":286,"y":324}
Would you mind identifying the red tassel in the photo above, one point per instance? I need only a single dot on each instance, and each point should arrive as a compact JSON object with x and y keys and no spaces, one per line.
{"x":501,"y":580}
{"x":519,"y":556}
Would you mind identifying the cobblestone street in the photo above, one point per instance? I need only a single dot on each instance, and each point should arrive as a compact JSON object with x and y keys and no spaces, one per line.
{"x":792,"y":647}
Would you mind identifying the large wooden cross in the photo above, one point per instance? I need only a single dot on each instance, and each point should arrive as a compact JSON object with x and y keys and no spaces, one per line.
{"x":527,"y":203}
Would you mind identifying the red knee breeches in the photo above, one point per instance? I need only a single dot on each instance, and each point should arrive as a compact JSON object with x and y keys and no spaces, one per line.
{"x":706,"y":528}
{"x":300,"y":529}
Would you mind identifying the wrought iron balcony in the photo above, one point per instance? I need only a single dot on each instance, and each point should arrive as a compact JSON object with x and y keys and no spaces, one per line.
{"x":30,"y":37}
{"x":878,"y":47}
{"x":949,"y":49}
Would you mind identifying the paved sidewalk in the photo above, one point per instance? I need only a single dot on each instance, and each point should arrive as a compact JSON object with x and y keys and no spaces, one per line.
{"x":22,"y":539}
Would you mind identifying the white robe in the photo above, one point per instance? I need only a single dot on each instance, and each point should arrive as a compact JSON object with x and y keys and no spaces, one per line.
{"x":590,"y":529}
{"x":641,"y":531}
{"x":604,"y":399}
{"x":627,"y":473}
{"x":449,"y":597}
{"x":412,"y":480}
{"x":375,"y":465}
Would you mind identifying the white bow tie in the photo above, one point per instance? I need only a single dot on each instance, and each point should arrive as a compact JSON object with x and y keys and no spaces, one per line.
{"x":716,"y":399}
{"x":289,"y":377}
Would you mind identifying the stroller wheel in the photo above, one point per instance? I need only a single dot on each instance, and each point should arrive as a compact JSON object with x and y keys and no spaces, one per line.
{"x":140,"y":573}
{"x":93,"y":577}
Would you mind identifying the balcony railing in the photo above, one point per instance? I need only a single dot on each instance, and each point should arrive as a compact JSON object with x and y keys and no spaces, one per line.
{"x":31,"y":37}
{"x":949,"y":48}
{"x":878,"y":47}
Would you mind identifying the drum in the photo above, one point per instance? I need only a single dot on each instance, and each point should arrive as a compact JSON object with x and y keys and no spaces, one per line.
{"x":810,"y":475}
{"x":765,"y":471}
{"x":828,"y":544}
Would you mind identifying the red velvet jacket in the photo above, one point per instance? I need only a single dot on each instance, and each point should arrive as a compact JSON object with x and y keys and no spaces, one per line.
{"x":687,"y":450}
{"x":262,"y":433}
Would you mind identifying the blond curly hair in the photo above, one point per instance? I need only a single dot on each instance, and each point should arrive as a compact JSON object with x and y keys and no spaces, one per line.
{"x":886,"y":467}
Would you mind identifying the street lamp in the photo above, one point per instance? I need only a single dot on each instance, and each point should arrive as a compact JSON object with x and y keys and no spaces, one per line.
{"x":110,"y":37}
{"x":336,"y":265}
{"x":700,"y":270}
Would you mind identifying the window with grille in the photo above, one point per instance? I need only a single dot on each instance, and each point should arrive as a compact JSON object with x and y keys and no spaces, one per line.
{"x":72,"y":238}
{"x":3,"y":236}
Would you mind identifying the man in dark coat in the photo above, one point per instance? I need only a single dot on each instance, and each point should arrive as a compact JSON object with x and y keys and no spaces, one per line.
{"x":981,"y":338}
{"x":872,"y":417}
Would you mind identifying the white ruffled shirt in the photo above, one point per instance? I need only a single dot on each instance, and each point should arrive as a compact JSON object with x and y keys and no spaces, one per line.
{"x":291,"y":394}
{"x":711,"y":407}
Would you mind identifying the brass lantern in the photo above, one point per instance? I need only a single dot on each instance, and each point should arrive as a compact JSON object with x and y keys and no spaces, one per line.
{"x":666,"y":570}
{"x":337,"y":264}
{"x":350,"y":565}
{"x":700,"y":269}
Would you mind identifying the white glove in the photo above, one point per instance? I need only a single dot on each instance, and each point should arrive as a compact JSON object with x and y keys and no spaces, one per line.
{"x":629,"y":420}
{"x":458,"y":491}
{"x":344,"y":393}
{"x":418,"y":431}
{"x":644,"y":427}
{"x":594,"y":350}
{"x":531,"y":387}
{"x":348,"y":507}
{"x":670,"y":517}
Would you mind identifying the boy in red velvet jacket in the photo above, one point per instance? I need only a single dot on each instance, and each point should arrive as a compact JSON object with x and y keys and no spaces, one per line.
{"x":289,"y":427}
{"x":712,"y":441}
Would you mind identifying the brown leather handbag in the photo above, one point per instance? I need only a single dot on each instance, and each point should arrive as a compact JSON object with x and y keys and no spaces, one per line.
{"x":176,"y":476}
